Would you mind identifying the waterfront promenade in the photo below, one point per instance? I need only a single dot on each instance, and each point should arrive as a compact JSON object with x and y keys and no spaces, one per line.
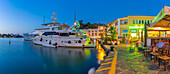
{"x":134,"y":62}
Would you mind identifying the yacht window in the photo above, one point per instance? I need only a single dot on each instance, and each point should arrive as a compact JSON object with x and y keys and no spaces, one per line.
{"x":47,"y":33}
{"x":64,"y":34}
{"x":55,"y":33}
{"x":50,"y":33}
{"x":72,"y":33}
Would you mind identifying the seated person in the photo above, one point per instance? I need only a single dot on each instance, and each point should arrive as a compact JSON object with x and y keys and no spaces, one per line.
{"x":160,"y":44}
{"x":154,"y":49}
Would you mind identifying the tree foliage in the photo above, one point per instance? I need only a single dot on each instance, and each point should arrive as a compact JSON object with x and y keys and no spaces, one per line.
{"x":88,"y":25}
{"x":112,"y":32}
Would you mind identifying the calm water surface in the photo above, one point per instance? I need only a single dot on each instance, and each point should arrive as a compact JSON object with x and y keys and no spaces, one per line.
{"x":24,"y":57}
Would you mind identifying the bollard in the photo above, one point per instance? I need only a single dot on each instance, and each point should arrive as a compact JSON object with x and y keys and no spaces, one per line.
{"x":111,"y":48}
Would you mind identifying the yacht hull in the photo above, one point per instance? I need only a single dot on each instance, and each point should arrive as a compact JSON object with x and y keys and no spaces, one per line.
{"x":59,"y":41}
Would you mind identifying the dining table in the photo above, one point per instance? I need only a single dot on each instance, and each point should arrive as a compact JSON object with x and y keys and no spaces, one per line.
{"x":164,"y":59}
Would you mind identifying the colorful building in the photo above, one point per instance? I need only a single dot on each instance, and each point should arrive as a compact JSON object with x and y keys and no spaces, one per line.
{"x":95,"y":33}
{"x":132,"y":27}
{"x":160,"y":28}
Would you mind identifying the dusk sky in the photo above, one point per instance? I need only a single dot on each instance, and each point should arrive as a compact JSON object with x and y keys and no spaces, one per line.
{"x":21,"y":16}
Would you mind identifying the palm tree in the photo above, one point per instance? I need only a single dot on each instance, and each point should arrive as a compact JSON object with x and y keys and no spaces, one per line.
{"x":112,"y":32}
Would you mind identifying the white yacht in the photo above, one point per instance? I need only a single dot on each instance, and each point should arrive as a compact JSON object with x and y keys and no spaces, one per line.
{"x":54,"y":38}
{"x":60,"y":36}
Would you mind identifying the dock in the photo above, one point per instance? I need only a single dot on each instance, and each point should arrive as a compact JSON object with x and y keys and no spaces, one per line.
{"x":108,"y":66}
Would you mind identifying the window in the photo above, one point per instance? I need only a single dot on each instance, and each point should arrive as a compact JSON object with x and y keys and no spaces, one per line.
{"x":123,"y":21}
{"x":55,"y":33}
{"x":145,"y":22}
{"x":47,"y":33}
{"x":167,"y":33}
{"x":95,"y":34}
{"x":96,"y":31}
{"x":150,"y":21}
{"x":125,"y":35}
{"x":50,"y":33}
{"x":72,"y":33}
{"x":64,"y":34}
{"x":139,"y":21}
{"x":89,"y":31}
{"x":153,"y":33}
{"x":125,"y":31}
{"x":162,"y":34}
{"x":92,"y":34}
{"x":116,"y":23}
{"x":134,"y":22}
{"x":142,"y":21}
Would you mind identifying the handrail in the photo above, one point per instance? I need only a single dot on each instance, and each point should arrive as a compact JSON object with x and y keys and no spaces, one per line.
{"x":113,"y":63}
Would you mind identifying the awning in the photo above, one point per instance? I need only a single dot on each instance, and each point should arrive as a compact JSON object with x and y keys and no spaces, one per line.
{"x":162,"y":19}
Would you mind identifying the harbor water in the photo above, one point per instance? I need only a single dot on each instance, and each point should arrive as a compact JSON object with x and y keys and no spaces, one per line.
{"x":24,"y":57}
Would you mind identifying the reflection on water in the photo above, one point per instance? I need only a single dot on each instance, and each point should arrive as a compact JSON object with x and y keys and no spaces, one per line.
{"x":25,"y":57}
{"x":101,"y":53}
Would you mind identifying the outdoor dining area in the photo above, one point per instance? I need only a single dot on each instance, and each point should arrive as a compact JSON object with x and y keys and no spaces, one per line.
{"x":158,"y":39}
{"x":159,"y":53}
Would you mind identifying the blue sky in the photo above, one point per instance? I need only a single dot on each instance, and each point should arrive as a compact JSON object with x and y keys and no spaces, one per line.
{"x":20,"y":16}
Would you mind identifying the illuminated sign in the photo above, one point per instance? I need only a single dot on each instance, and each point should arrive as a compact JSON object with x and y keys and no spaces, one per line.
{"x":133,"y":31}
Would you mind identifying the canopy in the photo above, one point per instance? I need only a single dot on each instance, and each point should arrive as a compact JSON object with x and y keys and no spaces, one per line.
{"x":162,"y":19}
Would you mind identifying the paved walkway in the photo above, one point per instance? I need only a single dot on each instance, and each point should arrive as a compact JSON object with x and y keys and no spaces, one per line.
{"x":133,"y":62}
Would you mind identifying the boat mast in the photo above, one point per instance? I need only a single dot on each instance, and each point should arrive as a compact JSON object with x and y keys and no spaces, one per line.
{"x":44,"y":21}
{"x":75,"y":16}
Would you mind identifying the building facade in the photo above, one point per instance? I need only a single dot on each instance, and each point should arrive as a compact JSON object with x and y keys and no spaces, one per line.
{"x":132,"y":27}
{"x":96,"y":33}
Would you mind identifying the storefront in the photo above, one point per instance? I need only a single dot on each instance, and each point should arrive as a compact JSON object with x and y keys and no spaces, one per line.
{"x":160,"y":28}
{"x":136,"y":33}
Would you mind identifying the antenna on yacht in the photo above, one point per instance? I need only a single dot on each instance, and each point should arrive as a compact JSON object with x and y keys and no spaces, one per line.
{"x":54,"y":18}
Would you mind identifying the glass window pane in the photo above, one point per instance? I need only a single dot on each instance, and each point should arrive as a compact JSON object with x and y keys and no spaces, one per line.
{"x":145,"y":22}
{"x":153,"y":33}
{"x":150,"y":21}
{"x":162,"y":33}
{"x":167,"y":33}
{"x":139,"y":21}
{"x":133,"y":21}
{"x":142,"y":21}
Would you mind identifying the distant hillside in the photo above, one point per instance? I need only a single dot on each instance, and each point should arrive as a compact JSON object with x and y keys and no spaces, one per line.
{"x":88,"y":25}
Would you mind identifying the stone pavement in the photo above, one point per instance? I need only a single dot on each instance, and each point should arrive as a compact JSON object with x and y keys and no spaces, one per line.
{"x":134,"y":62}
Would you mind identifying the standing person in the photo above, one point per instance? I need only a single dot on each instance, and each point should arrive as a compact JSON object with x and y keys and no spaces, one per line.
{"x":127,"y":40}
{"x":137,"y":43}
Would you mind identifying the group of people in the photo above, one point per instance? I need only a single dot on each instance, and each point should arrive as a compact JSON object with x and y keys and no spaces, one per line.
{"x":159,"y":46}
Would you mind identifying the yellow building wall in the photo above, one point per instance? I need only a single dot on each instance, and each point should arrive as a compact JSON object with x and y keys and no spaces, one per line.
{"x":130,"y":23}
{"x":131,"y":18}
